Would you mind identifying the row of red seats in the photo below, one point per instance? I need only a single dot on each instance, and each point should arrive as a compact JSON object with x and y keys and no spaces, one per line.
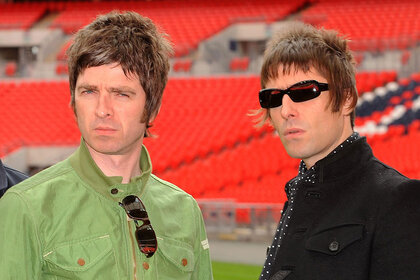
{"x":36,"y":113}
{"x":210,"y":114}
{"x":390,"y":25}
{"x":399,"y":151}
{"x":246,"y":162}
{"x":404,"y":99}
{"x":394,"y":131}
{"x":367,"y":81}
{"x":19,"y":15}
{"x":224,"y":157}
{"x":204,"y":114}
{"x":187,"y":22}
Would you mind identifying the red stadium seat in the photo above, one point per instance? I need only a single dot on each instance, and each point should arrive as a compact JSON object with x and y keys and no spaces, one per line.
{"x":239,"y":64}
{"x":10,"y":69}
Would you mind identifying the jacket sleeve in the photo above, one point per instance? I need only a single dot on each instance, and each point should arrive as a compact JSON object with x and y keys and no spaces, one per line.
{"x":396,"y":248}
{"x":203,"y":269}
{"x":19,"y":246}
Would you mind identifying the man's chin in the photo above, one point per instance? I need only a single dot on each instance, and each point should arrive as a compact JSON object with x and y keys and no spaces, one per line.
{"x":102,"y":148}
{"x":296,"y":152}
{"x":106,"y":150}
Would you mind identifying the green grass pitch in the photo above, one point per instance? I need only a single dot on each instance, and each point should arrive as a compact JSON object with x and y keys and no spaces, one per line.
{"x":234,"y":271}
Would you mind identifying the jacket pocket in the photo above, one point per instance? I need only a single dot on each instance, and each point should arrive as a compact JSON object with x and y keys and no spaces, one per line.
{"x":177,"y":260}
{"x":333,"y":240}
{"x":83,"y":259}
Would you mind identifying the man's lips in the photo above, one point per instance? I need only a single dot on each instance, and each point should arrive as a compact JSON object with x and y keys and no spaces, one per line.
{"x":105,"y":130}
{"x":293,"y":132}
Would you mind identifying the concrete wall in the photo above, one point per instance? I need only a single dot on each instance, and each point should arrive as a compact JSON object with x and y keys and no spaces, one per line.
{"x":37,"y":156}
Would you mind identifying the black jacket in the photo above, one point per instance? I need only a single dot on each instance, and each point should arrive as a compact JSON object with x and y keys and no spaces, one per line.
{"x":9,"y":177}
{"x":360,"y":220}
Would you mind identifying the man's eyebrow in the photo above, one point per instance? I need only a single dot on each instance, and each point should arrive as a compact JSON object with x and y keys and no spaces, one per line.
{"x":86,"y":86}
{"x":122,"y":89}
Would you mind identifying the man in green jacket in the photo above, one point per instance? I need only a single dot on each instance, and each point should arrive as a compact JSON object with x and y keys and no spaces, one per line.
{"x":101,"y":214}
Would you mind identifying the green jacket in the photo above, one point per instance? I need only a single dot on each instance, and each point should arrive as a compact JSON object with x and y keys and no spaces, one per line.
{"x":65,"y":223}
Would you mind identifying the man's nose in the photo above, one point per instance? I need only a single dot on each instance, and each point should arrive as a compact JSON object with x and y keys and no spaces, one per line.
{"x":288,"y":107}
{"x":104,"y":106}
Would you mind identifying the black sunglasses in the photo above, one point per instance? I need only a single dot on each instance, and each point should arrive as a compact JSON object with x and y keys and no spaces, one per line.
{"x":145,"y":235}
{"x":299,"y":92}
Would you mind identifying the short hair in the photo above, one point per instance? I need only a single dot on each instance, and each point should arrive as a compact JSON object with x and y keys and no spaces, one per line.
{"x":132,"y":41}
{"x":300,"y":46}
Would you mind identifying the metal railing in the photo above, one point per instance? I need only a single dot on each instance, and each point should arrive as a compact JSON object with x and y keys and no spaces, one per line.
{"x":228,"y":219}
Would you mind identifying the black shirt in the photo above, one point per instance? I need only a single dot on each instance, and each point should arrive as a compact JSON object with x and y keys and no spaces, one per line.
{"x":304,"y":175}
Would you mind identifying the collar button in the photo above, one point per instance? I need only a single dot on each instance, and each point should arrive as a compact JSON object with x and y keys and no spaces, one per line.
{"x":334,"y":246}
{"x":114,"y":191}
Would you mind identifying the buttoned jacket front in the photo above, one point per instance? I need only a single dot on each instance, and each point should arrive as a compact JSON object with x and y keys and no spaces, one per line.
{"x":65,"y":223}
{"x":360,"y":220}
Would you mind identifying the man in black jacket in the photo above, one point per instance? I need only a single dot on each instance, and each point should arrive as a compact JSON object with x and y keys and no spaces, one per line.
{"x":9,"y":177}
{"x":348,"y":215}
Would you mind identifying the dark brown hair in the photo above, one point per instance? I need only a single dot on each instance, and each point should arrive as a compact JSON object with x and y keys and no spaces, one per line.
{"x":299,"y":46}
{"x":130,"y":40}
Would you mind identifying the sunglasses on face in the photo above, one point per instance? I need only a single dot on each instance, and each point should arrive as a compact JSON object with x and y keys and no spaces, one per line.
{"x":299,"y":92}
{"x":145,"y":235}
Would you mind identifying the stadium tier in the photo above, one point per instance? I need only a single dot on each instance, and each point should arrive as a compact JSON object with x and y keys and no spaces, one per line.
{"x":371,"y":25}
{"x":35,"y":113}
{"x":187,"y":22}
{"x":390,"y":25}
{"x":206,"y":142}
{"x":20,"y":15}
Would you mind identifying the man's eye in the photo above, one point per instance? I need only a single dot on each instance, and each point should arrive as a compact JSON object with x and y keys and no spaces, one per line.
{"x":88,"y":91}
{"x":122,"y":94}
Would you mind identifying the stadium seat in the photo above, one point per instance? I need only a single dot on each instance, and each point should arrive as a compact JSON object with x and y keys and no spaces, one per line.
{"x":239,"y":64}
{"x":10,"y":69}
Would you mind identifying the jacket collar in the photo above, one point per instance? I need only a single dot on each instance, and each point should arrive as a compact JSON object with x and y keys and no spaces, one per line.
{"x":110,"y":187}
{"x":344,"y":163}
{"x":3,"y":178}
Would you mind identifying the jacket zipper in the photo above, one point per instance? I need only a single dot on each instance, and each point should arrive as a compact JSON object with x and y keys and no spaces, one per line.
{"x":133,"y":249}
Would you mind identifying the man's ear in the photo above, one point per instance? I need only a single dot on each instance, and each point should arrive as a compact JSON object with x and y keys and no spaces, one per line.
{"x":349,"y":105}
{"x":73,"y":108}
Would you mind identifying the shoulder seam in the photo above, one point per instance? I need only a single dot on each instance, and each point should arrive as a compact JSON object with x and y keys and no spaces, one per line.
{"x":388,"y":166}
{"x":32,"y":181}
{"x":168,"y":184}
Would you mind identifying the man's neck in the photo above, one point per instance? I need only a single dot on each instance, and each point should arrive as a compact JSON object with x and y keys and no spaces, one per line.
{"x":311,"y":161}
{"x":127,"y":166}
